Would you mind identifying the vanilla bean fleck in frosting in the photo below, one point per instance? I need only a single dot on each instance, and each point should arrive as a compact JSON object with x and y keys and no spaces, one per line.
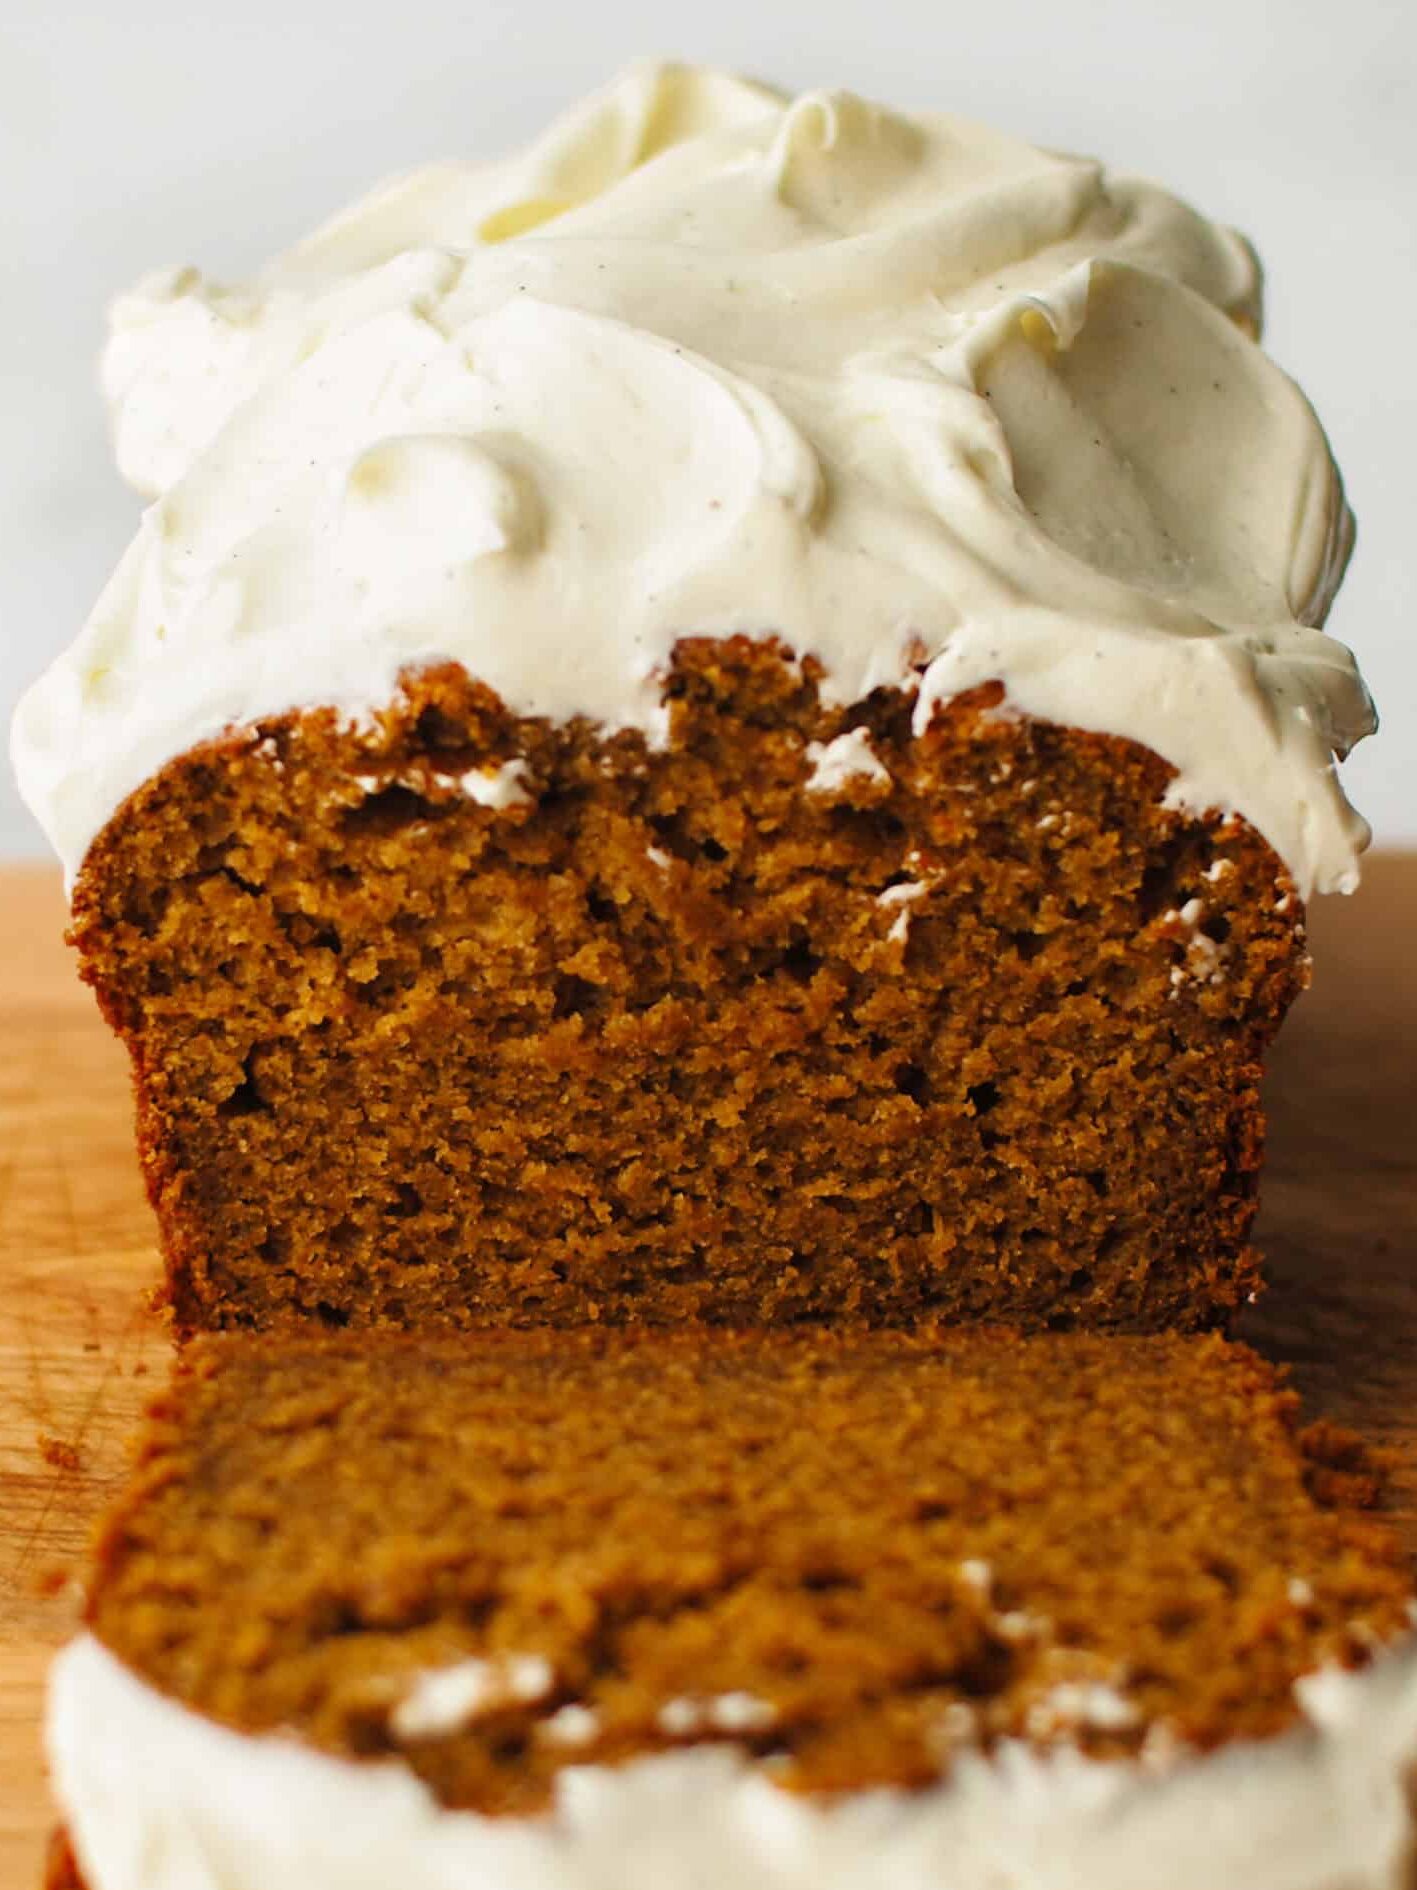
{"x":707,"y":360}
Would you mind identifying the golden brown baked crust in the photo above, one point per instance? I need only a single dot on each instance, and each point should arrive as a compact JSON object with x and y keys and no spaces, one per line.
{"x":61,"y":1870}
{"x":660,"y":1043}
{"x":888,"y":1545}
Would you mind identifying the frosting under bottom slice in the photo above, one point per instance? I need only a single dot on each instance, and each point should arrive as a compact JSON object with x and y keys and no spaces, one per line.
{"x":164,"y":1800}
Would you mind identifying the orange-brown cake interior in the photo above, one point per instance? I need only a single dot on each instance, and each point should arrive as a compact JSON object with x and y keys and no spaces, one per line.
{"x":852,"y":1554}
{"x":708,"y":1031}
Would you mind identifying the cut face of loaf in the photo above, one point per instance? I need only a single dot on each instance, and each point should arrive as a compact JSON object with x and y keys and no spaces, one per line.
{"x":853,"y":1557}
{"x":463,"y":1017}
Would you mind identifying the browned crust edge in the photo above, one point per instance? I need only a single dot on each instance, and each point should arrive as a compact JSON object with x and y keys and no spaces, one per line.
{"x":61,"y":1867}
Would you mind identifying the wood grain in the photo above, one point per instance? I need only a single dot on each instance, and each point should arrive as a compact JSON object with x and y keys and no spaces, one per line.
{"x":78,"y":1345}
{"x":80,"y":1348}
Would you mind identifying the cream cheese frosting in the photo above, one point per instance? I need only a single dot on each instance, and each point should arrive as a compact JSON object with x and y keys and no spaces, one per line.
{"x":927,"y":403}
{"x":158,"y":1798}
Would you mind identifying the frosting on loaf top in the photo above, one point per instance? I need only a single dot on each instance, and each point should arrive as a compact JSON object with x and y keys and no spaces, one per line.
{"x":925,"y":402}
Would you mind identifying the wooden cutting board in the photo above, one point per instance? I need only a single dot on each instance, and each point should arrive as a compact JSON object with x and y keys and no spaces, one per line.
{"x":80,"y":1349}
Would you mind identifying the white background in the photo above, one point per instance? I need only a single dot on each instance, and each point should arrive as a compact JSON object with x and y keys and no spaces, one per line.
{"x":139,"y":132}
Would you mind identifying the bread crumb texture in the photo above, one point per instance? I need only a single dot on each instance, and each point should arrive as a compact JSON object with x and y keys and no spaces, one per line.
{"x":851,"y":1554}
{"x":458,"y":1017}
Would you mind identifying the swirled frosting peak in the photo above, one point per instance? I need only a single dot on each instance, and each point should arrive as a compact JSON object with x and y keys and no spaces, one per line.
{"x":707,"y":359}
